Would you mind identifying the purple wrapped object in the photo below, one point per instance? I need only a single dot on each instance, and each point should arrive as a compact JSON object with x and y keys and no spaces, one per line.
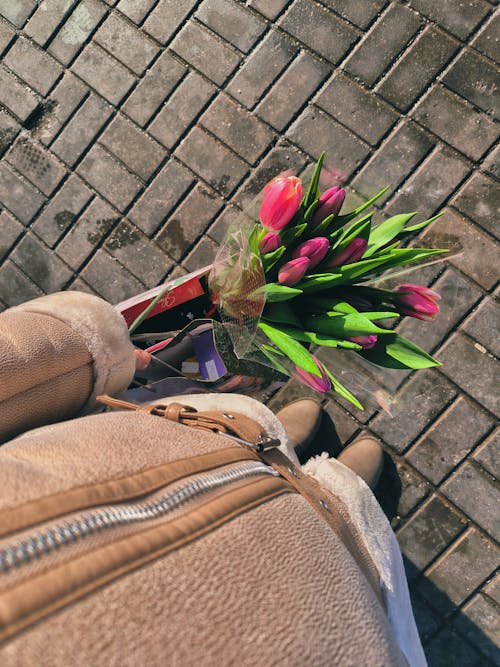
{"x":211,"y":365}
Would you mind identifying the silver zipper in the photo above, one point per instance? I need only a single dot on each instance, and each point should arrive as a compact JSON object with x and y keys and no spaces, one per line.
{"x":112,"y":516}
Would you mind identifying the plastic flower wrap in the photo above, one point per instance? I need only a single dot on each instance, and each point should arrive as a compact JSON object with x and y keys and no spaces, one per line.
{"x":305,"y":275}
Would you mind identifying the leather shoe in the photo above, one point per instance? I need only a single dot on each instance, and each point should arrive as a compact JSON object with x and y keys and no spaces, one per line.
{"x":301,"y":420}
{"x":365,"y":457}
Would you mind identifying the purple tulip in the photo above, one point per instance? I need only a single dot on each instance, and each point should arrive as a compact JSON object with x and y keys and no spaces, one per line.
{"x":366,"y":342}
{"x":317,"y":383}
{"x":353,"y":252}
{"x":315,"y":249}
{"x":417,"y":301}
{"x":270,"y":243}
{"x":292,"y":272}
{"x":330,"y":202}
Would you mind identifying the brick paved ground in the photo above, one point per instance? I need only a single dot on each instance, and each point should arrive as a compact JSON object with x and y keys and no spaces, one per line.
{"x":131,"y":132}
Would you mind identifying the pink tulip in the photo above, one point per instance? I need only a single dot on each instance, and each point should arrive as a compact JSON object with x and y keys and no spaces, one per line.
{"x":366,"y":342}
{"x":270,"y":243}
{"x":317,"y":383}
{"x":330,"y":202}
{"x":417,"y":301}
{"x":315,"y":249}
{"x":293,"y":271}
{"x":353,"y":252}
{"x":281,"y":201}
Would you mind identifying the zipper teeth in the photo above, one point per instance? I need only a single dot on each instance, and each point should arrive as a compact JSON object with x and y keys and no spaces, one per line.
{"x":95,"y":521}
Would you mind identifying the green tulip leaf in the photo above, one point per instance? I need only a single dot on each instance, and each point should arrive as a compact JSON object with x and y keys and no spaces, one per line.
{"x":339,"y":388}
{"x":344,"y":219}
{"x":317,"y":338}
{"x":294,"y":350}
{"x":359,"y":229}
{"x":397,"y":352}
{"x":407,"y":231}
{"x":342,"y":326}
{"x":270,"y":258}
{"x":386,"y":231}
{"x":277,"y":292}
{"x":281,"y":312}
{"x":290,"y":234}
{"x":322,"y":228}
{"x":313,"y":189}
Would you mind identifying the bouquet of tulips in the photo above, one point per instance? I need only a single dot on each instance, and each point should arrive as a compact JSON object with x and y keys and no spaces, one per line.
{"x":305,"y":275}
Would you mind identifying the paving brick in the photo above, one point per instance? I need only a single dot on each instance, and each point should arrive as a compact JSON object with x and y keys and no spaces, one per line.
{"x":10,"y":231}
{"x":139,"y":254}
{"x":492,"y":589}
{"x":202,"y":254}
{"x":456,"y":122}
{"x":16,"y":97}
{"x":101,"y":71}
{"x":282,"y":158}
{"x":18,"y":195}
{"x":109,"y":178}
{"x":167,"y":16}
{"x":194,"y":41}
{"x":76,"y":30}
{"x":82,"y":129}
{"x":429,"y":532}
{"x":425,"y":618}
{"x":390,"y":35}
{"x":413,"y":490}
{"x":447,"y":647}
{"x":41,"y":265}
{"x":477,"y":495}
{"x":181,"y":109}
{"x":418,"y":403}
{"x":154,"y":88}
{"x":15,"y":286}
{"x":237,"y":128}
{"x":6,"y":35}
{"x":9,"y":128}
{"x":161,"y":196}
{"x":292,"y":90}
{"x":492,"y":162}
{"x":80,"y":285}
{"x":359,"y":13}
{"x":232,"y":21}
{"x":478,"y":622}
{"x":46,"y":19}
{"x":474,"y":78}
{"x":33,"y":65}
{"x":62,"y":103}
{"x":345,"y":425}
{"x":488,"y":455}
{"x":453,"y":230}
{"x":269,"y":8}
{"x":484,"y":325}
{"x":479,"y":200}
{"x":458,"y":296}
{"x":189,"y":221}
{"x":133,"y":147}
{"x":315,"y":132}
{"x":487,"y":40}
{"x":404,"y":83}
{"x":364,"y":113}
{"x":319,"y":29}
{"x":228,"y":217}
{"x":129,"y":45}
{"x":208,"y":158}
{"x":110,"y":279}
{"x":135,"y":10}
{"x":87,"y":233}
{"x":17,"y":12}
{"x":431,"y":184}
{"x":450,"y":440}
{"x":394,"y":161}
{"x":459,"y":19}
{"x":473,"y":369}
{"x":62,"y":210}
{"x":261,"y":68}
{"x":37,"y":164}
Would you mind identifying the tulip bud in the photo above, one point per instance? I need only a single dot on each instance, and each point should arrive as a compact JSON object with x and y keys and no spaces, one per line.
{"x":353,"y":252}
{"x":417,"y":301}
{"x":315,"y":249}
{"x":330,"y":202}
{"x":366,"y":342}
{"x":293,"y":271}
{"x":270,"y":243}
{"x":317,"y":383}
{"x":281,"y":201}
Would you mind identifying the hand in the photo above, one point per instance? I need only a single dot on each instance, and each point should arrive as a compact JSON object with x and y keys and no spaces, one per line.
{"x":142,"y":359}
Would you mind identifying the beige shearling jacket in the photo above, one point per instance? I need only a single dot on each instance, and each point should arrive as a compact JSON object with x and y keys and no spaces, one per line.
{"x":246,"y":573}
